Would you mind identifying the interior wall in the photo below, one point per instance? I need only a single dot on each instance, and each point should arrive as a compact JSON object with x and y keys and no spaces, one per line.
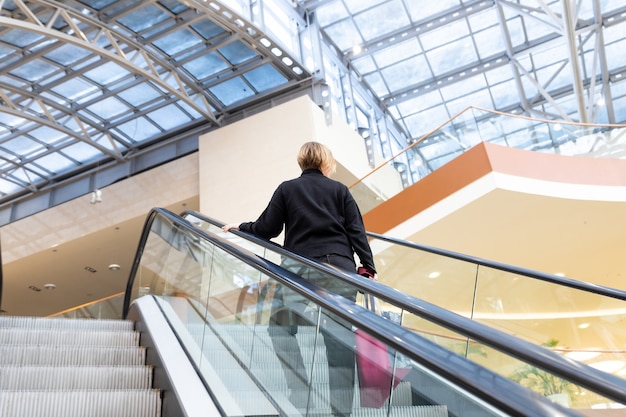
{"x":134,"y":197}
{"x":242,"y":164}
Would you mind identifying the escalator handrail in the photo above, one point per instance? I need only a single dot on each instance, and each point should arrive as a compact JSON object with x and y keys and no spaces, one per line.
{"x":484,"y":384}
{"x":579,"y":373}
{"x":555,"y":279}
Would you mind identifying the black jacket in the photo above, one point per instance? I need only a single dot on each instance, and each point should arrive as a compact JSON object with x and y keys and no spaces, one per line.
{"x":320,"y":218}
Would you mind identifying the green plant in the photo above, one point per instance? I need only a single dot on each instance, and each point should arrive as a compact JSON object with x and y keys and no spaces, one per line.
{"x":541,"y":381}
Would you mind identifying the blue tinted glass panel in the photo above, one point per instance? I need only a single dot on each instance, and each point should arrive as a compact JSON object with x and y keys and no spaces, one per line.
{"x":177,"y":41}
{"x":138,"y":129}
{"x":19,"y":38}
{"x":232,"y":91}
{"x":236,"y":52}
{"x":206,"y":66}
{"x":34,"y":71}
{"x":265,"y":78}
{"x":81,"y":151}
{"x":106,"y":73}
{"x":67,"y":54}
{"x":207,"y":29}
{"x":169,"y":117}
{"x":47,"y":135}
{"x":108,"y":108}
{"x":54,"y":162}
{"x":22,"y":146}
{"x":143,"y":18}
{"x":139,"y":94}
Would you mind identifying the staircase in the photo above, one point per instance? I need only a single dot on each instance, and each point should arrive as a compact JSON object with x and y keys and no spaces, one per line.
{"x":57,"y":367}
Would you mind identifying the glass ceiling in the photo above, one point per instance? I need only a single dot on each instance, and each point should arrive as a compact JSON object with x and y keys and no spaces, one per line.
{"x":94,"y":81}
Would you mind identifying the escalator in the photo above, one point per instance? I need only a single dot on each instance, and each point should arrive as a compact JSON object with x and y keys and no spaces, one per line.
{"x":217,"y":295}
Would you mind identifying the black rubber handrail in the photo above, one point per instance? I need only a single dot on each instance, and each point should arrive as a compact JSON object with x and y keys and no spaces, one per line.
{"x":578,"y":373}
{"x":496,"y":390}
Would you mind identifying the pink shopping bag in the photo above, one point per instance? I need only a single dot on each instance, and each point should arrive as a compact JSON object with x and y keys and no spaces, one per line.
{"x":375,"y":371}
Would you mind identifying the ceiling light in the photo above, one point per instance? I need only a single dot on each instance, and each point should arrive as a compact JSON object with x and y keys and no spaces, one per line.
{"x":114,"y":267}
{"x":434,"y":274}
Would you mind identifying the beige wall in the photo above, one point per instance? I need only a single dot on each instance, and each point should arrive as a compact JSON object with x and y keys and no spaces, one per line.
{"x":243,"y":163}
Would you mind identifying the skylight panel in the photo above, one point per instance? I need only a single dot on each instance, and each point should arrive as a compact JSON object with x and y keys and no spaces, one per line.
{"x":451,"y":56}
{"x":47,"y":135}
{"x":22,"y":146}
{"x":83,"y":152}
{"x":364,"y":65}
{"x":406,"y":73}
{"x":421,"y":9}
{"x":419,"y":103}
{"x":489,"y":42}
{"x":505,"y":94}
{"x":382,"y":19}
{"x":108,"y":108}
{"x":54,"y":163}
{"x":237,"y":52}
{"x":20,"y":38}
{"x":177,"y":41}
{"x":446,"y":34}
{"x":206,"y":66}
{"x":143,"y":18}
{"x":232,"y":91}
{"x":11,"y":121}
{"x":34,"y":70}
{"x":397,"y":53}
{"x":106,"y":73}
{"x":7,"y":187}
{"x":344,"y":34}
{"x":377,"y":84}
{"x":207,"y":29}
{"x":139,"y":129}
{"x":67,"y":54}
{"x":139,"y":94}
{"x":265,"y":78}
{"x":331,"y":12}
{"x":169,"y":117}
{"x":468,"y":86}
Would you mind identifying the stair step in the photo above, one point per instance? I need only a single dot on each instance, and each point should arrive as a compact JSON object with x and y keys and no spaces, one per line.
{"x":81,"y":403}
{"x":72,"y":355}
{"x":19,"y":336}
{"x":69,"y":378}
{"x":53,"y":323}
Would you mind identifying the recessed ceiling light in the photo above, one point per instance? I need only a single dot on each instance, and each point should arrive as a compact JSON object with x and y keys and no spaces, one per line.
{"x":434,"y":274}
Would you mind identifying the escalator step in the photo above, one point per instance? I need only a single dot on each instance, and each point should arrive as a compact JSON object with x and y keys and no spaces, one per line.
{"x":91,"y":403}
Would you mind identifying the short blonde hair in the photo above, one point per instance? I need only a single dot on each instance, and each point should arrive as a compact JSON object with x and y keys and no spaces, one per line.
{"x":314,"y":155}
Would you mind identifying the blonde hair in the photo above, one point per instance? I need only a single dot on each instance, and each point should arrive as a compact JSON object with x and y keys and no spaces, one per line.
{"x":314,"y":155}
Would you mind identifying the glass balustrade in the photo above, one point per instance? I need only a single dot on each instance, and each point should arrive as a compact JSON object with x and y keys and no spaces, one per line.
{"x":510,"y":302}
{"x":225,"y":312}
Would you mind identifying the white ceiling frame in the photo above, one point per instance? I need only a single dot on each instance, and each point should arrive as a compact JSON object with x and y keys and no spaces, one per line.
{"x":131,"y":60}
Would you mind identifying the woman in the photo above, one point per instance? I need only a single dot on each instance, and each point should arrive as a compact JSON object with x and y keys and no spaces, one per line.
{"x":322,"y":222}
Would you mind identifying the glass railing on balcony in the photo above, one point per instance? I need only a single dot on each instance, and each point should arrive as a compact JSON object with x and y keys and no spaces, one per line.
{"x":424,"y":320}
{"x":473,"y":126}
